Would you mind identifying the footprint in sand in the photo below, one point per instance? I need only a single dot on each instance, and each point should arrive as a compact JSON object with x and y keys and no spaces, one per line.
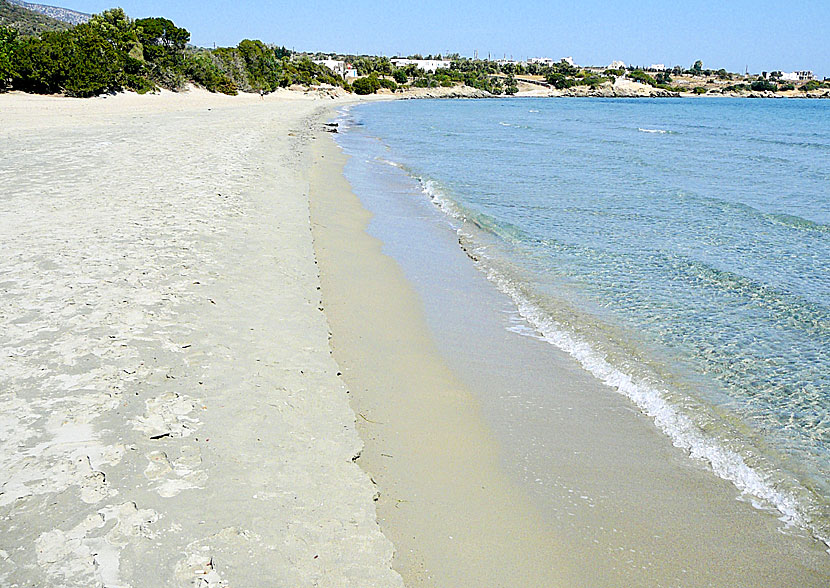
{"x":173,"y":476}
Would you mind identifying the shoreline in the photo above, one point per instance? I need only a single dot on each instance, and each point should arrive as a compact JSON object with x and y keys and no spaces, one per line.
{"x":703,"y":528}
{"x":453,"y":515}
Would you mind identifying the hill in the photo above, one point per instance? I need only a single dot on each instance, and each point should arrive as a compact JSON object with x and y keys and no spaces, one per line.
{"x":28,"y":22}
{"x":72,"y":17}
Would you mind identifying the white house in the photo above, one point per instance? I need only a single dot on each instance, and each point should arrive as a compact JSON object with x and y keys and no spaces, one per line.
{"x":335,"y":65}
{"x":338,"y":67}
{"x":657,"y":67}
{"x":429,"y":65}
{"x":569,"y":60}
{"x":798,"y":76}
{"x":541,"y":60}
{"x":617,"y":65}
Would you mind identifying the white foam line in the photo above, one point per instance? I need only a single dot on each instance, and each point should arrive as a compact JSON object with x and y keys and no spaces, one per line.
{"x":683,"y":432}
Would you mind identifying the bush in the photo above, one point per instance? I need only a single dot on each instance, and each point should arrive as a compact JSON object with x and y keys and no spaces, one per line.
{"x":8,"y":45}
{"x":763,"y":86}
{"x":367,"y":85}
{"x":810,"y":86}
{"x":785,"y":87}
{"x":388,"y":84}
{"x":400,"y":76}
{"x":639,"y":75}
{"x":699,"y":90}
{"x":560,"y":81}
{"x":202,"y":69}
{"x":592,"y":81}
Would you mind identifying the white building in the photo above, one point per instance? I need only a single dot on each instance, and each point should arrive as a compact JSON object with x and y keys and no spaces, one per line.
{"x":350,"y":71}
{"x":569,"y":60}
{"x":798,"y":76}
{"x":335,"y":65}
{"x":657,"y":67}
{"x":617,"y":65}
{"x":541,"y":60}
{"x":429,"y":65}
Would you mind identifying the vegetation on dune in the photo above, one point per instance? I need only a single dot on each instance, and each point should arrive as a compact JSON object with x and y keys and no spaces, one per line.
{"x":813,"y":85}
{"x":112,"y":52}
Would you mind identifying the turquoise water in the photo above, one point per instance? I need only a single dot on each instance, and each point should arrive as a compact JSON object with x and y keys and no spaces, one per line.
{"x":679,"y":249}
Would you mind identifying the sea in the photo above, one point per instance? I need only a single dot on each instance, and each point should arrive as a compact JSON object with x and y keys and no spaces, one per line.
{"x":677,"y":249}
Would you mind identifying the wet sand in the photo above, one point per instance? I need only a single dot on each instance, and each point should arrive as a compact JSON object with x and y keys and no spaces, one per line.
{"x":454,"y":516}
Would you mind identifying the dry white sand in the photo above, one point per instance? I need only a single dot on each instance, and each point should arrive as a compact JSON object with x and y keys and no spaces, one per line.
{"x":170,"y":413}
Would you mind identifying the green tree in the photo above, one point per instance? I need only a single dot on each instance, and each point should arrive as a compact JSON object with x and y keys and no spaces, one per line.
{"x":400,"y":76}
{"x":162,"y":42}
{"x":367,"y":85}
{"x":697,"y":68}
{"x":763,"y":86}
{"x":511,"y":87}
{"x":8,"y":46}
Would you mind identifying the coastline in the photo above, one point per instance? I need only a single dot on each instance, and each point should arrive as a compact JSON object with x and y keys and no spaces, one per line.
{"x":171,"y":413}
{"x":455,"y":518}
{"x":685,"y":525}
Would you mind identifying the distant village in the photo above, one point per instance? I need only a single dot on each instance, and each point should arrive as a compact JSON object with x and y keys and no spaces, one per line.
{"x":345,"y":69}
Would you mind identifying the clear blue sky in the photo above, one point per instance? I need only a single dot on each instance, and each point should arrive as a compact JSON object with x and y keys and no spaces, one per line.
{"x":761,"y":34}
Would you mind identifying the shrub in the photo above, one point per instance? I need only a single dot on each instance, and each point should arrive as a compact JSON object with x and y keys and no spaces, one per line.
{"x":8,"y":45}
{"x":367,"y":85}
{"x":785,"y":87}
{"x":699,"y":90}
{"x":202,"y":69}
{"x":592,"y":81}
{"x":763,"y":86}
{"x":388,"y":84}
{"x":810,"y":86}
{"x":639,"y":75}
{"x":400,"y":76}
{"x":560,"y":81}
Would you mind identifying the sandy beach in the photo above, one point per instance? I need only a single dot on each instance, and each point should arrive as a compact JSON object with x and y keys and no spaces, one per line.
{"x":215,"y":377}
{"x":170,"y":412}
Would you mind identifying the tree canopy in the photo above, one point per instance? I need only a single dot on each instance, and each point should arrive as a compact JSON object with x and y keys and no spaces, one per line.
{"x":112,"y":52}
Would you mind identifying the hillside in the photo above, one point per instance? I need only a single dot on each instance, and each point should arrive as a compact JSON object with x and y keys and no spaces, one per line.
{"x":73,"y":17}
{"x":27,"y":21}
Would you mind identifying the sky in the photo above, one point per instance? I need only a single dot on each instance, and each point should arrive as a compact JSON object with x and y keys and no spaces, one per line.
{"x":762,"y":35}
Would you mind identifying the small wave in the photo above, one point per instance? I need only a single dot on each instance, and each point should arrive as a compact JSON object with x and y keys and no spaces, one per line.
{"x":438,"y":198}
{"x":392,"y":163}
{"x":656,"y":131}
{"x":532,"y":110}
{"x":504,"y":124}
{"x":680,"y":428}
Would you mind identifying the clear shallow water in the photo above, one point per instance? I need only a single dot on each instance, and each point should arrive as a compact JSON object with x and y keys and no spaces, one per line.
{"x":677,"y":248}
